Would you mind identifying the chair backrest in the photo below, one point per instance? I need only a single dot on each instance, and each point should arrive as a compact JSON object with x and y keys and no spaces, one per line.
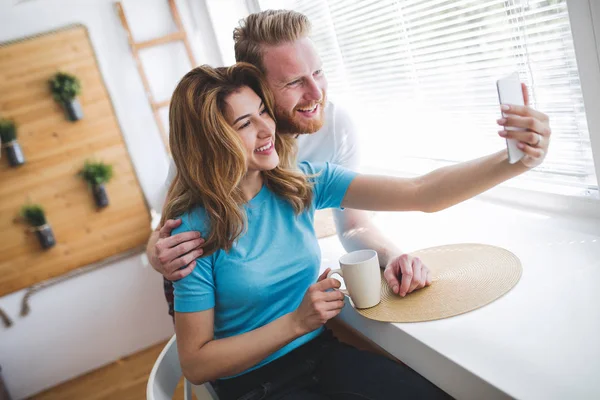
{"x":165,"y":376}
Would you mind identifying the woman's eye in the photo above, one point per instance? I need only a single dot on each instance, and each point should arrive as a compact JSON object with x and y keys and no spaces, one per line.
{"x":245,"y":125}
{"x":264,"y":110}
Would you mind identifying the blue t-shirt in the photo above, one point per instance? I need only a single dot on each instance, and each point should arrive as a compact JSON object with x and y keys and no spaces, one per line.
{"x":269,"y":268}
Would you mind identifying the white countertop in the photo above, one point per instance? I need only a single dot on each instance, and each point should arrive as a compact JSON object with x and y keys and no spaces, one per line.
{"x":539,"y":341}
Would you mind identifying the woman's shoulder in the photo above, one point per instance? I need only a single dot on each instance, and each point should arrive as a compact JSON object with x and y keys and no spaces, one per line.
{"x":312,"y":168}
{"x":320,"y":171}
{"x":194,"y":219}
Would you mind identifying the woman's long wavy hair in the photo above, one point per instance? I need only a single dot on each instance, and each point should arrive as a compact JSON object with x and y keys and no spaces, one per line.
{"x":211,"y":159}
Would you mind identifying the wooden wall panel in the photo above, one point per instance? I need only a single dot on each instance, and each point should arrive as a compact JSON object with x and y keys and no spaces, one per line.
{"x":55,"y":150}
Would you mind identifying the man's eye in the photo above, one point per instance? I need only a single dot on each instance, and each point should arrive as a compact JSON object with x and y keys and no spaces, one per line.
{"x":318,"y":72}
{"x":294,"y":82}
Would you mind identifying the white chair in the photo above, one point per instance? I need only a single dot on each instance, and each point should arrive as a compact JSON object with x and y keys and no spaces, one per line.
{"x":165,"y":376}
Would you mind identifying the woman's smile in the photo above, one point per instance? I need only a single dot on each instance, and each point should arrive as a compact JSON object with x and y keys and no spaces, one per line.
{"x":265,"y":149}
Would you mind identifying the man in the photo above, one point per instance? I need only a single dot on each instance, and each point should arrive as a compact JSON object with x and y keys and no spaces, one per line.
{"x":277,"y":42}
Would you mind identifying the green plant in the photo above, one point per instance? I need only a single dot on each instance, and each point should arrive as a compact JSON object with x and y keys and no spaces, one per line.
{"x":65,"y":87}
{"x":8,"y":131}
{"x":96,"y":173}
{"x":33,"y":214}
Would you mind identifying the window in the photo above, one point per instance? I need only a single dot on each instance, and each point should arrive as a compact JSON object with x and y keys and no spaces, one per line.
{"x":419,"y":77}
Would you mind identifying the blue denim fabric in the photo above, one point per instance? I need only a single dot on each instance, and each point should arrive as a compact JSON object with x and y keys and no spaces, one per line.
{"x":325,"y":368}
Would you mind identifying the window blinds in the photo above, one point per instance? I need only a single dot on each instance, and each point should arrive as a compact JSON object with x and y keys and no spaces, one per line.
{"x":419,"y":77}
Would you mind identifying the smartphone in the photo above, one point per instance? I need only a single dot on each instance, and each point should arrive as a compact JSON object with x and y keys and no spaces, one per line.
{"x":510,"y":92}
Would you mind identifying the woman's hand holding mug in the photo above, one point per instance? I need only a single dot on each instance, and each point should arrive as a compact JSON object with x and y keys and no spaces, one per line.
{"x":319,"y":305}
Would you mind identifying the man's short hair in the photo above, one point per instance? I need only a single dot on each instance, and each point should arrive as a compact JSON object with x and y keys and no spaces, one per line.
{"x":270,"y":27}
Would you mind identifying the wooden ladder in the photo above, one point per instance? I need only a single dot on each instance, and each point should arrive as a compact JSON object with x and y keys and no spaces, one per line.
{"x":177,"y":36}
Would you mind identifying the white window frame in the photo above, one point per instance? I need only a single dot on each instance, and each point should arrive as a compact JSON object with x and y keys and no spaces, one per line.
{"x":584,"y":16}
{"x":585,"y":27}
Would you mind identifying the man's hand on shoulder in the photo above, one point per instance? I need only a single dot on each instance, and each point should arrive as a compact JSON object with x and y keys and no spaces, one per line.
{"x":174,"y":256}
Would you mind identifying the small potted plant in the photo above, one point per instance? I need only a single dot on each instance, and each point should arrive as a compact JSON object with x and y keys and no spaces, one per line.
{"x":8,"y":137}
{"x":65,"y":89}
{"x":96,"y":174}
{"x":34,"y":215}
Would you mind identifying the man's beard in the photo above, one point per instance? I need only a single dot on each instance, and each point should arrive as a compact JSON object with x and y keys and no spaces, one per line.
{"x":286,"y":123}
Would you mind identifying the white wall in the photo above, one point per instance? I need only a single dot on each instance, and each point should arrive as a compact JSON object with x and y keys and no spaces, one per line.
{"x":225,"y":16}
{"x":96,"y":318}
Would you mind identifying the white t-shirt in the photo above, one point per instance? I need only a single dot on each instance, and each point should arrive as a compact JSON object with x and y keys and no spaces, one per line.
{"x":335,"y":142}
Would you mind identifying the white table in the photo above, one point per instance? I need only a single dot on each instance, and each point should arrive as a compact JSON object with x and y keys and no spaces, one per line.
{"x":540,"y":341}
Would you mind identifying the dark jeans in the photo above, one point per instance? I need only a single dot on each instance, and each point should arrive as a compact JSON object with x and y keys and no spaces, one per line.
{"x":325,"y":368}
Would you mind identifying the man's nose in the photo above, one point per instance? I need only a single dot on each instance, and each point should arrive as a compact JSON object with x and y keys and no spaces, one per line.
{"x":313,"y":92}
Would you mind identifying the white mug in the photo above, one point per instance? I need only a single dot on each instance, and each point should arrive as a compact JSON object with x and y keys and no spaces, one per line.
{"x":362,"y":275}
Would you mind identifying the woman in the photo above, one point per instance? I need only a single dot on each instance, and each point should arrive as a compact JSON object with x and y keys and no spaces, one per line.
{"x":250,"y":316}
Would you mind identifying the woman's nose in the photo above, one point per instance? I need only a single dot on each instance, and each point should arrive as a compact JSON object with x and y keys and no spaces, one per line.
{"x":266,"y":127}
